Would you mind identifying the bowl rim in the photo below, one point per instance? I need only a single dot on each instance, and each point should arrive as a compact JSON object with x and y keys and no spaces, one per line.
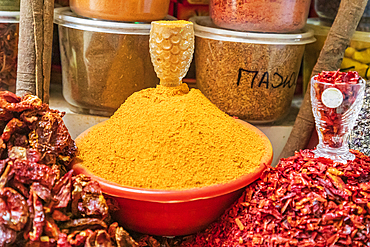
{"x":178,"y":196}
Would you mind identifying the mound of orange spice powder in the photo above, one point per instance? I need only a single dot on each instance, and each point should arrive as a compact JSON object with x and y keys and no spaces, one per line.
{"x":172,"y":139}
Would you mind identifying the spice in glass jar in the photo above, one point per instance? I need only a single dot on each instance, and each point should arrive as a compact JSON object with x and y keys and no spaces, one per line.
{"x":336,"y":101}
{"x":278,"y":16}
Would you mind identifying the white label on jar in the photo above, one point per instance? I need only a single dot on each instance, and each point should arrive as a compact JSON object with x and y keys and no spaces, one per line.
{"x":332,"y":97}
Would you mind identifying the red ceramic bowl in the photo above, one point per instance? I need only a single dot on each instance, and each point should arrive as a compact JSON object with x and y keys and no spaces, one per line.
{"x":181,"y":212}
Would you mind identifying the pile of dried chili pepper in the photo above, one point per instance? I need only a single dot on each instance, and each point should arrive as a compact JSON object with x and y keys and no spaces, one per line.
{"x":333,"y":77}
{"x":304,"y":201}
{"x":41,"y":202}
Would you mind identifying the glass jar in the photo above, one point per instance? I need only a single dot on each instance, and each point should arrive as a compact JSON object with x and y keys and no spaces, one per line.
{"x":335,"y":107}
{"x":249,"y":75}
{"x":103,"y":62}
{"x":280,"y":16}
{"x":122,"y":10}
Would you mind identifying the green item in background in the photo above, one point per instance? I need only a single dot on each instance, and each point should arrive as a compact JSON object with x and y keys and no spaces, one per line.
{"x":9,"y":5}
{"x":356,"y":57}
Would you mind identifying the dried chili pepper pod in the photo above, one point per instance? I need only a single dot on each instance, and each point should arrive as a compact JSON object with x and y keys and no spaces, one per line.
{"x":336,"y":101}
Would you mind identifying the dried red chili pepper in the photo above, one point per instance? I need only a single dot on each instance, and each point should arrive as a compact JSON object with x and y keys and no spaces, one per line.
{"x":20,"y":187}
{"x":38,"y":215}
{"x":99,"y":238}
{"x":304,"y":201}
{"x":5,"y":175}
{"x":87,"y":198}
{"x":5,"y":116}
{"x":28,"y":172}
{"x":60,"y":216}
{"x":93,"y":202}
{"x":149,"y":241}
{"x":7,"y":236}
{"x":13,"y":209}
{"x":62,"y":191}
{"x":41,"y":191}
{"x":17,"y":152}
{"x":13,"y":103}
{"x":12,"y":126}
{"x":79,"y":238}
{"x":63,"y":241}
{"x":83,"y":224}
{"x":51,"y":229}
{"x":122,"y":237}
{"x":79,"y":182}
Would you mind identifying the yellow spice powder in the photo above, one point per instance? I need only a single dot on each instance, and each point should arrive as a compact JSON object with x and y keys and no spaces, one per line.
{"x":171,"y":139}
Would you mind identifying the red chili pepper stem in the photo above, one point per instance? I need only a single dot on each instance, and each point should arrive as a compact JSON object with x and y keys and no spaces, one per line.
{"x":336,"y":99}
{"x":4,"y":176}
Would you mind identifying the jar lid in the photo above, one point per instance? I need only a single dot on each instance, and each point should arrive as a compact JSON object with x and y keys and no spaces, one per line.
{"x":65,"y":17}
{"x":205,"y":28}
{"x":9,"y":16}
{"x":322,"y":28}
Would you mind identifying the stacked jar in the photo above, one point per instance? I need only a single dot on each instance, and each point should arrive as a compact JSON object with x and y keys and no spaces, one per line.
{"x":9,"y":27}
{"x":104,"y":48}
{"x":248,"y":55}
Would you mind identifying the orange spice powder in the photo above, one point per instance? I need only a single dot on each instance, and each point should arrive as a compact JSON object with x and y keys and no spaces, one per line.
{"x":172,"y":139}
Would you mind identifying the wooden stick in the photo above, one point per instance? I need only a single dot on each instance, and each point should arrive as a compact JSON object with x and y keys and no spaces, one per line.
{"x":34,"y":49}
{"x":48,"y":47}
{"x":331,"y":56}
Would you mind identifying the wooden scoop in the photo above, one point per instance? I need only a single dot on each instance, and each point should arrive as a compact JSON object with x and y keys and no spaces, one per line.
{"x":171,"y":50}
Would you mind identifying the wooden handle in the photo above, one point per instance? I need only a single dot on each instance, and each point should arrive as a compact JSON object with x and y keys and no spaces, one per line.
{"x":171,"y":49}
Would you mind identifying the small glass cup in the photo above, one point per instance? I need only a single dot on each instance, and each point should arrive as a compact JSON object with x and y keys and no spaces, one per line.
{"x":335,"y":107}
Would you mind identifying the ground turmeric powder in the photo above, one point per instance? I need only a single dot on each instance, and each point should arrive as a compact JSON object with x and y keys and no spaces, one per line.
{"x":170,"y":138}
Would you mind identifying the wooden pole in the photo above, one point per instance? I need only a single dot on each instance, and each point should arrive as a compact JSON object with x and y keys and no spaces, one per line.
{"x":34,"y":48}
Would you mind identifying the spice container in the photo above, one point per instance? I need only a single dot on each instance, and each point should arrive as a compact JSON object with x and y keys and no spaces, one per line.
{"x":356,"y":56}
{"x":103,"y":62}
{"x":279,"y":16}
{"x":359,"y":138}
{"x":248,"y":75}
{"x":122,"y":10}
{"x":337,"y":99}
{"x":328,"y":9}
{"x":9,"y":5}
{"x":9,"y":25}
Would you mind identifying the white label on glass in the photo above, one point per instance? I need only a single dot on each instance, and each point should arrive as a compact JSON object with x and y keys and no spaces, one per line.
{"x":332,"y":97}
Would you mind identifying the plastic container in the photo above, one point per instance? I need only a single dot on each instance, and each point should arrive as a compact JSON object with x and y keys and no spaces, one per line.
{"x":249,"y":75}
{"x":280,"y":16}
{"x":176,"y":212}
{"x":9,"y":27}
{"x":328,"y":9}
{"x":103,"y":62}
{"x":122,"y":10}
{"x":356,"y":57}
{"x":10,"y":5}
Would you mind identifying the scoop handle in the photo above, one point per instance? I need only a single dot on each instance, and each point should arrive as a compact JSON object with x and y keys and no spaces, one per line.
{"x":171,"y":47}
